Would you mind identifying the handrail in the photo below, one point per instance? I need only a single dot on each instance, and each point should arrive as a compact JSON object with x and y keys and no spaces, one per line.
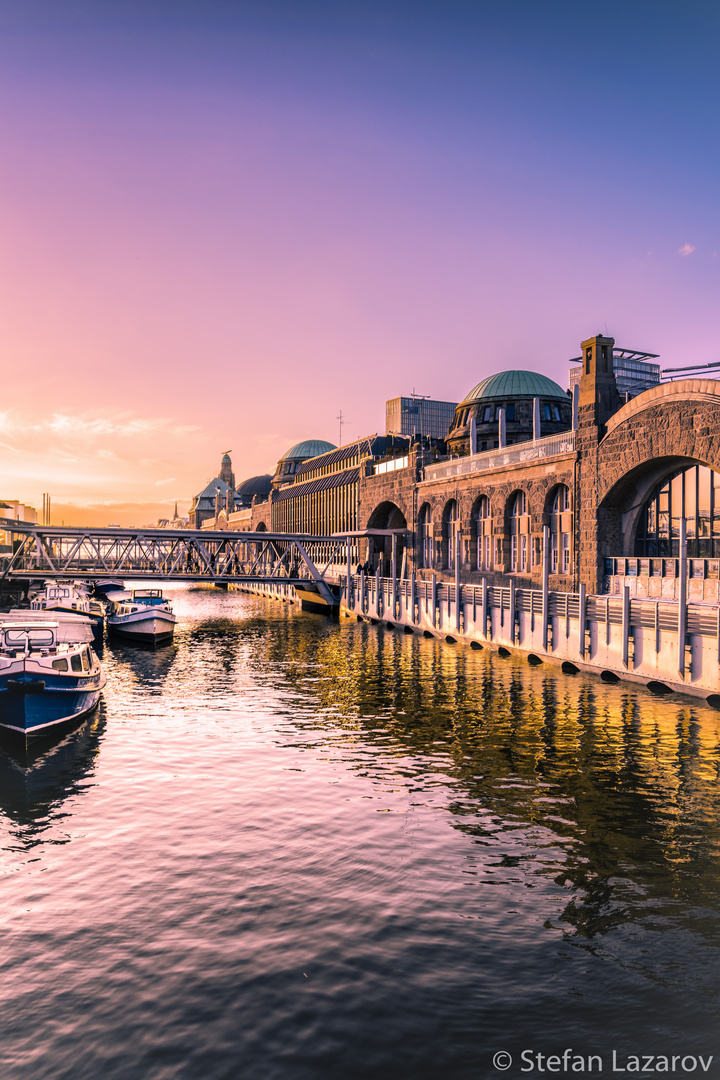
{"x":535,"y":449}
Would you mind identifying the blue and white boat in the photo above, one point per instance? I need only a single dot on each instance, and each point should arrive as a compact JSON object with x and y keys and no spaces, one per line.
{"x":47,"y":680}
{"x":144,"y":616}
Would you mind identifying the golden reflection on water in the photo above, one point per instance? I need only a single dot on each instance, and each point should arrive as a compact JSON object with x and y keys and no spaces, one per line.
{"x":626,"y":781}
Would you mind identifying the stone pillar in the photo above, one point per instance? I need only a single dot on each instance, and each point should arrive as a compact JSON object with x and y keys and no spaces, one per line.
{"x":502,"y":431}
{"x":598,"y":399}
{"x":537,"y":422}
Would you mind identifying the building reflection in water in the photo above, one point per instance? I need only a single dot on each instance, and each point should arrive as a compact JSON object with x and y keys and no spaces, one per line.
{"x":610,"y":791}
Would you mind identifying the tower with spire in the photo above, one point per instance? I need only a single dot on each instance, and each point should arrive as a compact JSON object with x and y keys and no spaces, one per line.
{"x":226,"y":472}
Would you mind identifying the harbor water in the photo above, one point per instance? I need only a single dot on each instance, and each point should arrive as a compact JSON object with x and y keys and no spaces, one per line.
{"x":291,"y":848}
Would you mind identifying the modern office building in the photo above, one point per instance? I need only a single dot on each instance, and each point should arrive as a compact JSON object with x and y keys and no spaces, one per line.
{"x":419,"y":416}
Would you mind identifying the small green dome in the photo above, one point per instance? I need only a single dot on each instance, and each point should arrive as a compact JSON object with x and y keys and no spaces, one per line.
{"x":308,"y":449}
{"x":515,"y":384}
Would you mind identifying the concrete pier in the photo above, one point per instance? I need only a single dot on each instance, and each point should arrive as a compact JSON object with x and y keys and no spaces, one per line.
{"x":652,"y":642}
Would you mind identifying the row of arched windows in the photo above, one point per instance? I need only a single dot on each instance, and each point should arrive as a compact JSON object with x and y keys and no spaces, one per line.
{"x":487,"y":552}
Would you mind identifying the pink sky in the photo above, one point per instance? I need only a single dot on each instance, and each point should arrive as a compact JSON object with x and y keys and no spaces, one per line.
{"x":217,"y":233}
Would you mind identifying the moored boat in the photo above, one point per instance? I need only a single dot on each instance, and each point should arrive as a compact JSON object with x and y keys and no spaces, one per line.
{"x":46,"y":683}
{"x":67,"y":598}
{"x":144,"y":616}
{"x":108,"y":585}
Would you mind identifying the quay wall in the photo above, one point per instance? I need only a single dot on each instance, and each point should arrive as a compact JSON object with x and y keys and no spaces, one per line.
{"x":615,"y":637}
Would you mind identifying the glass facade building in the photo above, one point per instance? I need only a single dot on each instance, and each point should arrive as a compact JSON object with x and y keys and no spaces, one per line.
{"x":419,"y":416}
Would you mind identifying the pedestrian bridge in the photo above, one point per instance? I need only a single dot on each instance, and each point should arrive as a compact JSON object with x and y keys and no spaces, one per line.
{"x":44,"y":551}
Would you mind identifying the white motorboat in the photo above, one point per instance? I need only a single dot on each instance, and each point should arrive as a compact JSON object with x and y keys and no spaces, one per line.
{"x":144,"y":616}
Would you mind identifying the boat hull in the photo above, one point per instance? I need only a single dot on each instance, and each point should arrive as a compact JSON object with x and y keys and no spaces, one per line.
{"x":34,"y":706}
{"x":156,"y":629}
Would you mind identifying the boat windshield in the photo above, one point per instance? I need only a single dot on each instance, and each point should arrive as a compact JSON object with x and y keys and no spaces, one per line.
{"x":28,"y":638}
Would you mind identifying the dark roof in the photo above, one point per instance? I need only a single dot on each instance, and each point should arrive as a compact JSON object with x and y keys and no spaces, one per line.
{"x":255,"y":485}
{"x":341,"y":454}
{"x":321,"y":483}
{"x":206,"y":499}
{"x":307,"y":449}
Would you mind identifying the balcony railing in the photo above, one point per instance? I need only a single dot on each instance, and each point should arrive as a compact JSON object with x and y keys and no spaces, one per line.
{"x":550,"y":446}
{"x":390,"y":466}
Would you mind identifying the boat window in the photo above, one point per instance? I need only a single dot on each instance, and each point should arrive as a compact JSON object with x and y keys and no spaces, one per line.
{"x":60,"y":665}
{"x":76,"y":662}
{"x":85,"y":660}
{"x":35,"y":638}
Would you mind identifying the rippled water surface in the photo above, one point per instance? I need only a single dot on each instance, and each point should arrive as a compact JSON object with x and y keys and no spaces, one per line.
{"x":286,"y":847}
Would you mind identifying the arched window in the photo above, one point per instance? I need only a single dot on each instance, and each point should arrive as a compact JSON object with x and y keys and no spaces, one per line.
{"x":450,"y":531}
{"x":693,"y":492}
{"x":560,"y":531}
{"x":426,"y":537}
{"x":519,"y":528}
{"x":483,"y":519}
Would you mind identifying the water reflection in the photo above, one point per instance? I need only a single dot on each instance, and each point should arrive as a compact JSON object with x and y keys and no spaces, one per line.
{"x":144,"y":668}
{"x":610,"y":791}
{"x":317,"y":849}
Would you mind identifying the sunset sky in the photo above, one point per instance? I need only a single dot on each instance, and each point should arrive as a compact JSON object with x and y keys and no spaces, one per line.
{"x":224,"y":222}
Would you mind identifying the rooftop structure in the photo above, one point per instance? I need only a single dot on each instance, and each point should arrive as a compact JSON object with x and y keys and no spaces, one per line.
{"x":507,"y":400}
{"x":418,"y":415}
{"x":293,"y":458}
{"x":633,"y":369}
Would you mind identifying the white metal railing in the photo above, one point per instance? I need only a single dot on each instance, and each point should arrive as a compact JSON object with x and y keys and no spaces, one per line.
{"x":550,"y":446}
{"x":390,"y":466}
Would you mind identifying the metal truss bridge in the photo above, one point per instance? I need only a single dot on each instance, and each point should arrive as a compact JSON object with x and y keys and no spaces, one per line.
{"x":44,"y":551}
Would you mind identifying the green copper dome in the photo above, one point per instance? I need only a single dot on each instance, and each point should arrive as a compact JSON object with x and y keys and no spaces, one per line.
{"x":309,"y":448}
{"x":515,"y":384}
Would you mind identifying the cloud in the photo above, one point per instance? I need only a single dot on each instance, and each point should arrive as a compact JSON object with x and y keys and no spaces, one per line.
{"x":686,"y":249}
{"x":86,"y":426}
{"x":170,"y":480}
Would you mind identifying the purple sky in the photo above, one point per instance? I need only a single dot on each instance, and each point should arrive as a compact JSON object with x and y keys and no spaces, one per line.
{"x":222,"y":223}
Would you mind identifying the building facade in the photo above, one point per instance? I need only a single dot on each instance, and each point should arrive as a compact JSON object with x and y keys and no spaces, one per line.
{"x":611,"y":492}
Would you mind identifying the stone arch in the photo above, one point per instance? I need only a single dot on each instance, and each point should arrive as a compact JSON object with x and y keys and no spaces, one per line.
{"x":481,"y":518}
{"x":425,"y":536}
{"x":558,"y":514}
{"x":620,"y":512}
{"x":517,"y":521}
{"x":450,"y":527}
{"x":386,"y":515}
{"x":662,"y":429}
{"x":668,"y":423}
{"x":551,"y":495}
